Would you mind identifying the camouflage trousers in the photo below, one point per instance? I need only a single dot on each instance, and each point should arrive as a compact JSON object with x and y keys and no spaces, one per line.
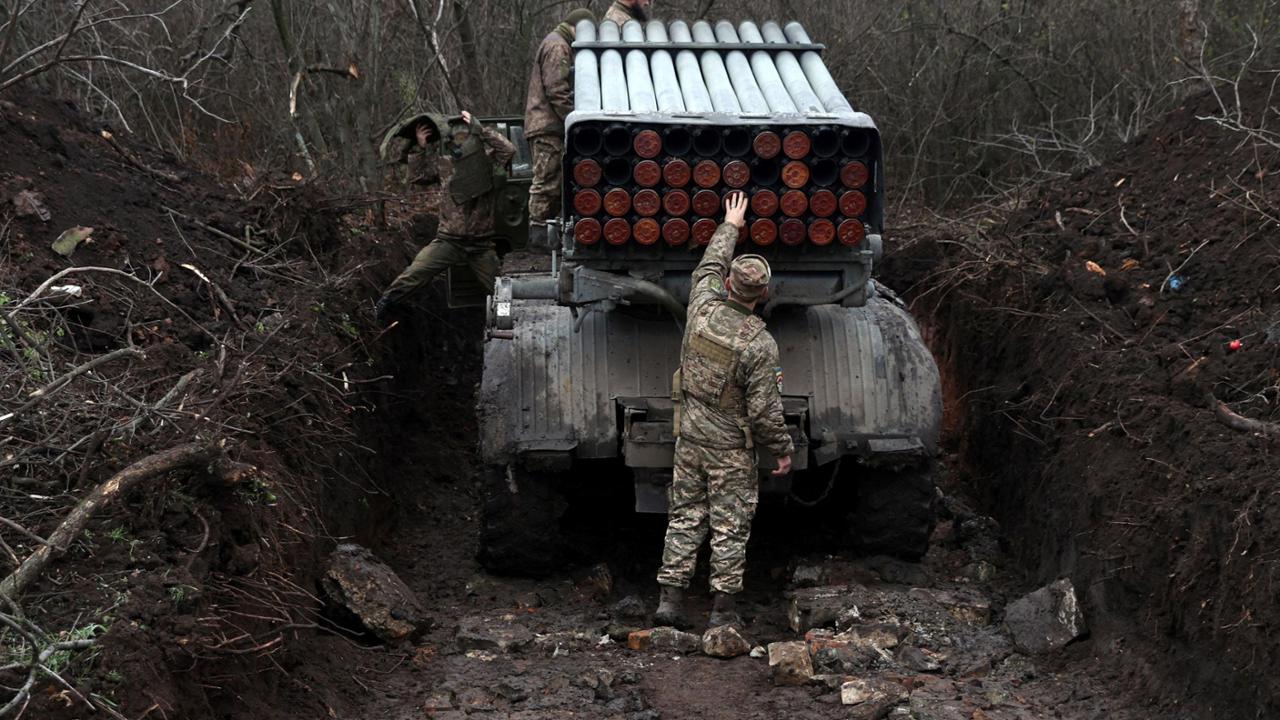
{"x":442,"y":254}
{"x":711,"y":489}
{"x":544,"y":192}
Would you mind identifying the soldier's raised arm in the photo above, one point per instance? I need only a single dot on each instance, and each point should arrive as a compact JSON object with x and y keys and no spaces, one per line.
{"x":423,"y":168}
{"x":499,"y":148}
{"x":708,"y":276}
{"x":764,"y":396}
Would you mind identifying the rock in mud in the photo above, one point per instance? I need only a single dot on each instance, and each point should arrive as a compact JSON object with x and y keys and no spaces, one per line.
{"x":818,"y":607}
{"x":871,"y":699}
{"x":913,"y":658}
{"x":1047,"y":619}
{"x":789,"y":663}
{"x":492,"y":634}
{"x":630,"y":607}
{"x":364,"y":585}
{"x":664,"y":638}
{"x":899,"y":572}
{"x":852,"y":651}
{"x":967,"y":606}
{"x":724,"y":642}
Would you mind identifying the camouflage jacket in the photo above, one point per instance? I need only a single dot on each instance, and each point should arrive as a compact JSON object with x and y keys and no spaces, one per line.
{"x":731,"y":378}
{"x":620,"y":13}
{"x":550,"y":96}
{"x":473,"y":219}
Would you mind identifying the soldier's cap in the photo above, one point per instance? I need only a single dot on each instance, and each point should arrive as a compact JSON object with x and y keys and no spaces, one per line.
{"x":750,"y":275}
{"x":578,"y":16}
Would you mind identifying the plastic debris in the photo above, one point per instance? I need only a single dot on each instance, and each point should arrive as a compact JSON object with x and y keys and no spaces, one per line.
{"x":1095,"y":268}
{"x":1235,"y":345}
{"x":71,"y":290}
{"x":70,"y":239}
{"x":1176,"y":282}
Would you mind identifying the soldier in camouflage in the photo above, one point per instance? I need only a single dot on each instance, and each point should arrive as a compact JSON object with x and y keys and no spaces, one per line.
{"x":623,"y":10}
{"x":550,"y":99}
{"x":466,"y":169}
{"x":728,"y":399}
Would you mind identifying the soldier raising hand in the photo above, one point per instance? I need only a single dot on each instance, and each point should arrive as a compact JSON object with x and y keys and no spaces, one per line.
{"x":728,"y":398}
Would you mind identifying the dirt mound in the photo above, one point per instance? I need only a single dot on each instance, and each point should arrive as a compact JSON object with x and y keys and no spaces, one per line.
{"x":239,"y":315}
{"x":1089,"y":336}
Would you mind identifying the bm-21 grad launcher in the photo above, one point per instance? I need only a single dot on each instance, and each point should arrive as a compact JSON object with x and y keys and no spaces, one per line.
{"x":668,"y":119}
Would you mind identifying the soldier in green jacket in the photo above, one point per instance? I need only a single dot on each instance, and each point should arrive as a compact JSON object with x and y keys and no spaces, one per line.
{"x":465,"y":168}
{"x":548,"y":102}
{"x":728,"y":395}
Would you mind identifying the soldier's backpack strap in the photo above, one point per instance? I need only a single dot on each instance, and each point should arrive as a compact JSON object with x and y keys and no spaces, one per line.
{"x":677,"y":402}
{"x":750,"y":328}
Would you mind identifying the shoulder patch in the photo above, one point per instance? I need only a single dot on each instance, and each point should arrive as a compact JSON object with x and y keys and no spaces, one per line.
{"x":717,"y":283}
{"x":777,"y":377}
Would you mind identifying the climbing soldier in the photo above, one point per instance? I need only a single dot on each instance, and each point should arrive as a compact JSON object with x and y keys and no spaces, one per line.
{"x":550,"y":99}
{"x":466,"y":167}
{"x":728,"y":395}
{"x":623,"y":10}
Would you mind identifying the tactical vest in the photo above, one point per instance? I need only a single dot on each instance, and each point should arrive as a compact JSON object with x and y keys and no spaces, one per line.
{"x":712,"y":355}
{"x":473,"y":173}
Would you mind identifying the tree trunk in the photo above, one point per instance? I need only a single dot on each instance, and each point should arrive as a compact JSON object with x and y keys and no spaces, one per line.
{"x":470,"y":57}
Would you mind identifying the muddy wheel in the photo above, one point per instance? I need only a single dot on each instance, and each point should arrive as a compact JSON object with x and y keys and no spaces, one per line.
{"x":895,"y":512}
{"x":520,"y":523}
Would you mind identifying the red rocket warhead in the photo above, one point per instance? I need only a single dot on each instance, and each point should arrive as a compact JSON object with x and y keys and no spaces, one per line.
{"x":676,"y":232}
{"x":587,"y":173}
{"x":587,"y":231}
{"x":617,"y":231}
{"x":647,"y":231}
{"x":764,"y":231}
{"x":586,"y":202}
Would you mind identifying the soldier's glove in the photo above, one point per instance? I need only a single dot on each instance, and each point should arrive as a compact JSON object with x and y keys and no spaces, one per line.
{"x":381,"y":308}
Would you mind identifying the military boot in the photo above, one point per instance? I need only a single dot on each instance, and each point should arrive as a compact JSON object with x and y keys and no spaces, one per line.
{"x":670,"y":604}
{"x":724,"y":610}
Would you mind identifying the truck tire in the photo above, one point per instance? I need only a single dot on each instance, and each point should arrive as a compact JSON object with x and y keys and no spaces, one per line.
{"x":520,"y":523}
{"x":895,"y":512}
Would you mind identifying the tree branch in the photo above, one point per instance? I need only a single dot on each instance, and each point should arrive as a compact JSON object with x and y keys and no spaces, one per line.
{"x":187,"y":455}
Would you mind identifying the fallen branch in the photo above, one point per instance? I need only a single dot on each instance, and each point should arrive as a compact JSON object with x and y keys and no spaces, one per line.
{"x":135,"y":160}
{"x":48,"y":390}
{"x":217,"y":291}
{"x":209,"y":228}
{"x":187,"y":455}
{"x":1235,"y":421}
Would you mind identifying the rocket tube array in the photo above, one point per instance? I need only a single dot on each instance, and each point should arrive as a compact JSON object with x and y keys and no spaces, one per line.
{"x":649,"y":182}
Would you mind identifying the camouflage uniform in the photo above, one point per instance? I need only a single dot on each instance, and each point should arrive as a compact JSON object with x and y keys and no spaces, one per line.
{"x":621,"y":13}
{"x":465,"y":232}
{"x":729,"y":394}
{"x":550,"y":99}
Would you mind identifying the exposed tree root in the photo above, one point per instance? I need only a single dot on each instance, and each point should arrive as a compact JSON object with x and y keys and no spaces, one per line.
{"x":181,"y":456}
{"x":1239,"y":422}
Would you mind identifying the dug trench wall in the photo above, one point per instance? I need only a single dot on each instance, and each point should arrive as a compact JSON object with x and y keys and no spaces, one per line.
{"x":1090,"y":334}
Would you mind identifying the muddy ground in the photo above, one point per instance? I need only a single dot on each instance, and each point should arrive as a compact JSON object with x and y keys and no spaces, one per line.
{"x":1083,"y":446}
{"x":570,"y":657}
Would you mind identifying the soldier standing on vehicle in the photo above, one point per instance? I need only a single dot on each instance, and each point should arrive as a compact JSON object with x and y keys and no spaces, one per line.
{"x":728,"y":395}
{"x":549,"y":101}
{"x":623,"y":10}
{"x":465,"y":169}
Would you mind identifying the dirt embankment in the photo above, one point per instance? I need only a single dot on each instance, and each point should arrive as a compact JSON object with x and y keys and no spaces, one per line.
{"x":1090,"y":334}
{"x":242,"y":315}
